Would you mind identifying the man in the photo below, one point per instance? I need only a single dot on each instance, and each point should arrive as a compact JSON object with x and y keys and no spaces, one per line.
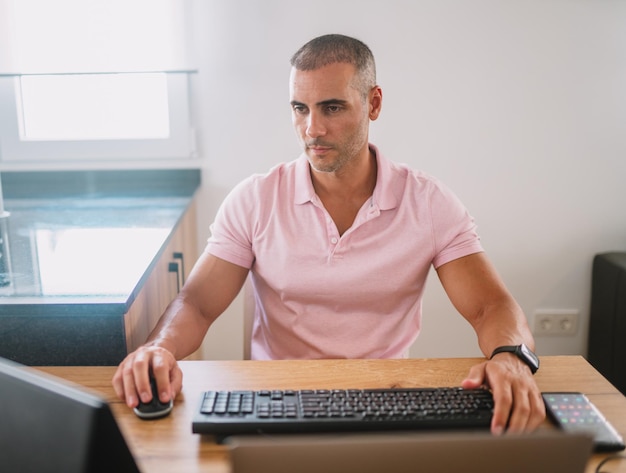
{"x":339,"y":243}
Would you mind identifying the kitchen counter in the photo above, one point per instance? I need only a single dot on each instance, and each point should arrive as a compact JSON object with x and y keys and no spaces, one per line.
{"x":77,"y":248}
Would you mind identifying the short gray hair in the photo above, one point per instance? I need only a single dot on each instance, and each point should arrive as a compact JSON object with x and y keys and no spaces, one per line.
{"x":334,"y":48}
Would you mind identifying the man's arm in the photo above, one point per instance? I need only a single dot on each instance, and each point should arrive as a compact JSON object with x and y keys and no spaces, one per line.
{"x":478,"y":293}
{"x":209,"y":290}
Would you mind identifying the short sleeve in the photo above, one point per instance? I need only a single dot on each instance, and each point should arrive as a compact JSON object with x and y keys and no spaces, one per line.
{"x":454,"y":229}
{"x":231,"y":231}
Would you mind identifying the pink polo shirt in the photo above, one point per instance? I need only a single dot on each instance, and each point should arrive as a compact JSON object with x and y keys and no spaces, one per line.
{"x":322,"y":295}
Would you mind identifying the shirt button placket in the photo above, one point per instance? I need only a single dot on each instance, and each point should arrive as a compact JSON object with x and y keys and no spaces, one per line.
{"x":334,"y":243}
{"x":331,"y":229}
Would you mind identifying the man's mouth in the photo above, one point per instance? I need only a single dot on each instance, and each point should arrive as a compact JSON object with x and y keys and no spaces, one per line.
{"x":317,"y":148}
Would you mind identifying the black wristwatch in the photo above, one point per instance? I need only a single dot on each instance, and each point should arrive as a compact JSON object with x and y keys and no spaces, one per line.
{"x":523,"y":353}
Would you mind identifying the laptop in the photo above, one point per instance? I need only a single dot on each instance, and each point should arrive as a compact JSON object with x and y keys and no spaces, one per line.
{"x":50,"y":425}
{"x":466,"y":452}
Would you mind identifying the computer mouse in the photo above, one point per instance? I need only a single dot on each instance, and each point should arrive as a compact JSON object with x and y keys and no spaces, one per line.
{"x":155,"y":408}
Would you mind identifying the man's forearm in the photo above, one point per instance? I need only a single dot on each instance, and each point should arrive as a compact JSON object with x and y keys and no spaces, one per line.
{"x":502,"y":324}
{"x":180,"y":330}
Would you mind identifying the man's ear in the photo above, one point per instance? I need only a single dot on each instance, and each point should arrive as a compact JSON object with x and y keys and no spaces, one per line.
{"x":375,"y":102}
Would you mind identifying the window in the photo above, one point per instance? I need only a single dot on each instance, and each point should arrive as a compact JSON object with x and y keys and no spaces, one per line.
{"x":110,"y":81}
{"x":88,"y":117}
{"x":92,"y":107}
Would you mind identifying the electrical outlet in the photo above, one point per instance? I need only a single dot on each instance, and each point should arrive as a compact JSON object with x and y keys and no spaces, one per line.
{"x":552,"y":322}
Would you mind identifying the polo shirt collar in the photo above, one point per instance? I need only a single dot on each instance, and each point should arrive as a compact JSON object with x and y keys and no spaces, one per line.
{"x":386,"y":182}
{"x":304,"y":191}
{"x":383,"y":195}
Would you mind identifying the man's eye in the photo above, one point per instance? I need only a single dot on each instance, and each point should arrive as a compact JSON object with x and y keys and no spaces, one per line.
{"x":299,"y":108}
{"x":333,"y":108}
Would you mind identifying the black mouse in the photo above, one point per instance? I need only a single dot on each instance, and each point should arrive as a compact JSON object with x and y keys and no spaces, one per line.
{"x":155,"y":408}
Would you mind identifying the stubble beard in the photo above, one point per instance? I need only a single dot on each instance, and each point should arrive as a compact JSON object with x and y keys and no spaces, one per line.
{"x":346,"y":152}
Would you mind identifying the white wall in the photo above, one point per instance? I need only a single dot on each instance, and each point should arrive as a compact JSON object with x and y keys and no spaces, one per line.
{"x":519,"y":106}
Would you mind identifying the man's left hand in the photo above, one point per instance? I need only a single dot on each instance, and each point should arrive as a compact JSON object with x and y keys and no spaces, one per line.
{"x":518,"y":405}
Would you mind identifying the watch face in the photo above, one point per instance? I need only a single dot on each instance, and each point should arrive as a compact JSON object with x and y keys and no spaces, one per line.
{"x":529,"y":355}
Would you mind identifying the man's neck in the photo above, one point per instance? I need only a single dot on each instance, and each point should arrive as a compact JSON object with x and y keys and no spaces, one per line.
{"x":355,"y":180}
{"x":344,"y":193}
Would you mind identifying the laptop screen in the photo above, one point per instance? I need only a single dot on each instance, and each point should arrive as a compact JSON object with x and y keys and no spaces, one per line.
{"x":410,"y":452}
{"x":49,"y":425}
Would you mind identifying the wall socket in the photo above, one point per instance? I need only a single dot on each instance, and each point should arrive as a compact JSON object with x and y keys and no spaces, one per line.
{"x":559,"y":322}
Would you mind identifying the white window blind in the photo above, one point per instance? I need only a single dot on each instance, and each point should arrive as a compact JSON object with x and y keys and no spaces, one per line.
{"x":94,"y":79}
{"x":62,"y":36}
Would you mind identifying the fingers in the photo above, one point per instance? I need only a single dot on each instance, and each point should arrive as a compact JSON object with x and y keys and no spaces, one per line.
{"x":475,"y":378}
{"x":517,"y":409}
{"x":529,"y":412}
{"x":503,"y":403}
{"x":137,"y":377}
{"x":124,"y":382}
{"x":168,"y":375}
{"x":131,"y":380}
{"x":518,"y":405}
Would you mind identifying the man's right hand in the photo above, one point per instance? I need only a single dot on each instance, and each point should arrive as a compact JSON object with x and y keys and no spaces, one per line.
{"x":132,"y":378}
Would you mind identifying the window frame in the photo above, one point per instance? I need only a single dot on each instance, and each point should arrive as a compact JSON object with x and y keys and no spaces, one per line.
{"x":179,"y":144}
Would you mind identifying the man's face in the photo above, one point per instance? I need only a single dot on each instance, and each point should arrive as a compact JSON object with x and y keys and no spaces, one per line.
{"x":329,"y":115}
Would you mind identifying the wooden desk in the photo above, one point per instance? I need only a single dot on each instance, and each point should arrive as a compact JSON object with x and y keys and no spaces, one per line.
{"x":168,"y":444}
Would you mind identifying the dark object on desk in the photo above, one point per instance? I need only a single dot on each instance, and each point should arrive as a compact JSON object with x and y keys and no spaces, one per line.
{"x":574,"y":413}
{"x":47,"y":425}
{"x":607,"y":319}
{"x":410,"y":452}
{"x":234,"y":412}
{"x":155,"y":409}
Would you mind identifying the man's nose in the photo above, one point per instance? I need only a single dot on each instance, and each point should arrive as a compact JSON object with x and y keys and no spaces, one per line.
{"x":315,"y":125}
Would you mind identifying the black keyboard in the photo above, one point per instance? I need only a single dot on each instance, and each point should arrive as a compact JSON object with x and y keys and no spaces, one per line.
{"x":284,"y":411}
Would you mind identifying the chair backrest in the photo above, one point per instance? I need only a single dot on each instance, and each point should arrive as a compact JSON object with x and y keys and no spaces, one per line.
{"x":248,"y":317}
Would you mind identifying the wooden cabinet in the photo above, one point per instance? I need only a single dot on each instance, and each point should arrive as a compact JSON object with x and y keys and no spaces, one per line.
{"x":163,"y":280}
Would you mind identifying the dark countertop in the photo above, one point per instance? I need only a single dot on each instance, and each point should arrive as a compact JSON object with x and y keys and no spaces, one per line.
{"x":66,"y":250}
{"x":81,"y":243}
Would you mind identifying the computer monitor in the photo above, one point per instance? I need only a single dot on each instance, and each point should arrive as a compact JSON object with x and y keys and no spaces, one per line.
{"x":50,"y":425}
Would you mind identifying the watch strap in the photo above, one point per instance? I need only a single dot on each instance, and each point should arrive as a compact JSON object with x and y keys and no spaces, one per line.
{"x":504,"y":349}
{"x":521,"y":352}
